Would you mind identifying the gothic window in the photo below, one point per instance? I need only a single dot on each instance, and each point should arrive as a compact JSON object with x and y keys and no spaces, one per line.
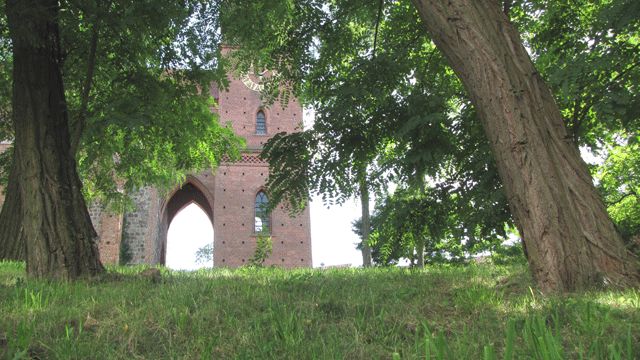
{"x":262,"y":218}
{"x":261,"y":124}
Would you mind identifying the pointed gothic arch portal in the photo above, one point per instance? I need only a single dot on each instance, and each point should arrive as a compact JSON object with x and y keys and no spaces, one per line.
{"x":186,"y":236}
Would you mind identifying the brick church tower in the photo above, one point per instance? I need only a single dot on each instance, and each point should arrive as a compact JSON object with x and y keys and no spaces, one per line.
{"x":232,"y":198}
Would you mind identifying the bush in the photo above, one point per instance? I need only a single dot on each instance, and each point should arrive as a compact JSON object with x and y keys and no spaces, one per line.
{"x":508,"y":254}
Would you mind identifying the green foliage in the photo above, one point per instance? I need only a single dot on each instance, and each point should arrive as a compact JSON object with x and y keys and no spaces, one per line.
{"x":6,"y":68}
{"x":461,"y":312}
{"x":393,"y":113}
{"x":150,"y":96}
{"x":508,"y":254}
{"x":397,"y":111}
{"x":264,"y":247}
{"x":588,"y":53}
{"x":430,"y":220}
{"x":619,"y":182}
{"x":146,"y":117}
{"x":204,"y":255}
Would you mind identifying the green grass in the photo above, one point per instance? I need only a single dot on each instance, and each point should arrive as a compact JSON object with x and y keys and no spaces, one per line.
{"x":472,"y":312}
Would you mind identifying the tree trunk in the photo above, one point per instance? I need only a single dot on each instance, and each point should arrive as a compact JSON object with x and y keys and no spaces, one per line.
{"x":59,"y":236}
{"x":420,"y":252}
{"x":11,"y":241}
{"x":366,"y":224}
{"x":570,"y":240}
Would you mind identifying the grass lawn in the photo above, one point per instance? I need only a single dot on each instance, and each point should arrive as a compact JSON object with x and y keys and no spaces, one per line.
{"x":470,"y":312}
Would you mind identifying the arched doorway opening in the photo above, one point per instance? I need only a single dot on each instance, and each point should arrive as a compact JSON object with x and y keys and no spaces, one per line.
{"x":189,"y":232}
{"x":187,"y":226}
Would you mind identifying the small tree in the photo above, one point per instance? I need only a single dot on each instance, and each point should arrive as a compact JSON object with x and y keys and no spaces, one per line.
{"x":264,"y":248}
{"x":204,"y":255}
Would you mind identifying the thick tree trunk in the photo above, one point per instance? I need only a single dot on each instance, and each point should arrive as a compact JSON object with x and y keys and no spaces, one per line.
{"x":366,"y":224}
{"x":570,"y":240}
{"x":11,"y":241}
{"x":60,"y":239}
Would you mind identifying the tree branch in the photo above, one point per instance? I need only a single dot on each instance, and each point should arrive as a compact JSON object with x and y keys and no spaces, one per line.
{"x":375,"y":37}
{"x":579,"y":116}
{"x":80,"y":122}
{"x":624,"y":196}
{"x":506,"y":8}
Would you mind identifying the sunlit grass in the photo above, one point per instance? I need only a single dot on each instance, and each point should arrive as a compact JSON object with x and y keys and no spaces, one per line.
{"x":470,"y":312}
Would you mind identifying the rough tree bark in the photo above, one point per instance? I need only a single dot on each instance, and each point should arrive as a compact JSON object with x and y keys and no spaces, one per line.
{"x":11,"y":241}
{"x":59,"y":236}
{"x":571,"y":242}
{"x":366,"y":224}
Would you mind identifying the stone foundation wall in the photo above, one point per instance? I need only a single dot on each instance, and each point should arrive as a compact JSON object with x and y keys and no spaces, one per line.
{"x":140,"y":228}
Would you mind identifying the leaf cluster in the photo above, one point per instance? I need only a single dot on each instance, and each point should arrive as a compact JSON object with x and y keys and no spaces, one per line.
{"x":619,"y":183}
{"x":387,"y":110}
{"x":137,"y":77}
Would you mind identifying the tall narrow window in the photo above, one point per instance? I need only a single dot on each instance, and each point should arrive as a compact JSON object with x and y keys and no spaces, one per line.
{"x":261,"y":123}
{"x":262,"y":218}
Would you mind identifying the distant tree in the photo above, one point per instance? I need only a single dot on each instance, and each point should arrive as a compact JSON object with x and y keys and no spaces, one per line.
{"x":204,"y":255}
{"x":619,"y":180}
{"x":432,"y":224}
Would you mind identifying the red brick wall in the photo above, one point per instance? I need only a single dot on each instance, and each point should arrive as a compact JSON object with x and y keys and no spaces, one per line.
{"x":237,"y":185}
{"x":240,"y":106}
{"x":110,"y":234}
{"x":235,"y":240}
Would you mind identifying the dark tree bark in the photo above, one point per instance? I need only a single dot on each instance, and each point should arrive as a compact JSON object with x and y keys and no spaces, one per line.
{"x":366,"y":224}
{"x":11,"y":241}
{"x":571,"y":242}
{"x":59,"y":236}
